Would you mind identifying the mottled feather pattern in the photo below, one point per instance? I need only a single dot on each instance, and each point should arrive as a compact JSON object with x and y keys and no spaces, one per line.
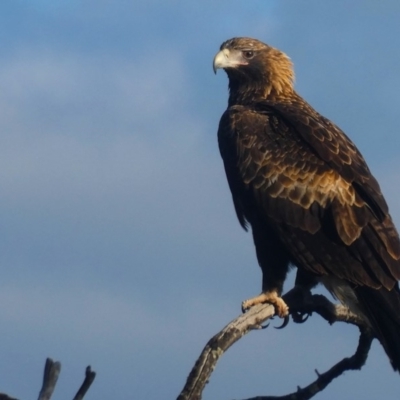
{"x":291,"y":181}
{"x":283,"y":165}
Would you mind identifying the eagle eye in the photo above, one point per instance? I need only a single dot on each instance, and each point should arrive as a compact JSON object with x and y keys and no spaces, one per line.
{"x":248,"y":54}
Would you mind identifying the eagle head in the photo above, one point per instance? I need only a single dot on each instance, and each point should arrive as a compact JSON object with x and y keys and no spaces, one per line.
{"x":255,"y":70}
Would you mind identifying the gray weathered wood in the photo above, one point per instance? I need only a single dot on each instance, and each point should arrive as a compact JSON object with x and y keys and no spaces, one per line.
{"x":300,"y":303}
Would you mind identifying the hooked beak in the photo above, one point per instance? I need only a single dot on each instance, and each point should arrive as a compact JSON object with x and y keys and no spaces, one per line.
{"x":227,"y":59}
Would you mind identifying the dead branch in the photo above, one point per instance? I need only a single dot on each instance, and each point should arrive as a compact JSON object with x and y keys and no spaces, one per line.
{"x":300,"y":304}
{"x":50,"y":376}
{"x":218,"y":344}
{"x":89,"y":378}
{"x":6,"y":397}
{"x":356,"y":361}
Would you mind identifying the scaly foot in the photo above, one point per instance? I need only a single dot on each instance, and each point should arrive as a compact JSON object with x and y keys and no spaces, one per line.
{"x":281,"y":309}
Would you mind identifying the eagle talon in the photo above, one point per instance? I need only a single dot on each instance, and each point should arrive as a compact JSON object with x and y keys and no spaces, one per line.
{"x":281,"y":309}
{"x":285,"y":323}
{"x":300,"y":318}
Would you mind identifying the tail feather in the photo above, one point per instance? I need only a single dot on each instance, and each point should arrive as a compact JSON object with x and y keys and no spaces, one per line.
{"x":382,"y":308}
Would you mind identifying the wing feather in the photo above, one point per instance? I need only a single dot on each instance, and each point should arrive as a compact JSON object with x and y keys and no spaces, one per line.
{"x":298,"y":172}
{"x":334,"y":147}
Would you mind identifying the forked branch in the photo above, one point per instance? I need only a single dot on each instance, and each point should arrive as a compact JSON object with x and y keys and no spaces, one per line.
{"x":300,"y":304}
{"x":50,"y":376}
{"x":356,"y":361}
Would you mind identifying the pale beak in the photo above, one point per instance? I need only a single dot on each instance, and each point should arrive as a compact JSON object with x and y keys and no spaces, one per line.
{"x":227,"y":59}
{"x":221,"y":60}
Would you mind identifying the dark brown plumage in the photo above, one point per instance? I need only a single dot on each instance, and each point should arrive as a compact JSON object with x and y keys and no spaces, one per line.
{"x":306,"y":192}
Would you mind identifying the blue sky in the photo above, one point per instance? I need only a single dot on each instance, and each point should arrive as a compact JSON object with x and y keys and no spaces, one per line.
{"x":119,"y":246}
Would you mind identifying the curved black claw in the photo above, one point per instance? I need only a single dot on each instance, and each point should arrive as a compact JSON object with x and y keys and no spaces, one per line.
{"x":300,"y":318}
{"x":285,"y":323}
{"x":264,"y":326}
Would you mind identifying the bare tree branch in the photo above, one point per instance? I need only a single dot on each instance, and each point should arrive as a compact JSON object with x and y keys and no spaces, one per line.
{"x":50,"y":376}
{"x":356,"y":361}
{"x":218,"y":344}
{"x":300,"y":303}
{"x":3,"y":396}
{"x":89,"y":378}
